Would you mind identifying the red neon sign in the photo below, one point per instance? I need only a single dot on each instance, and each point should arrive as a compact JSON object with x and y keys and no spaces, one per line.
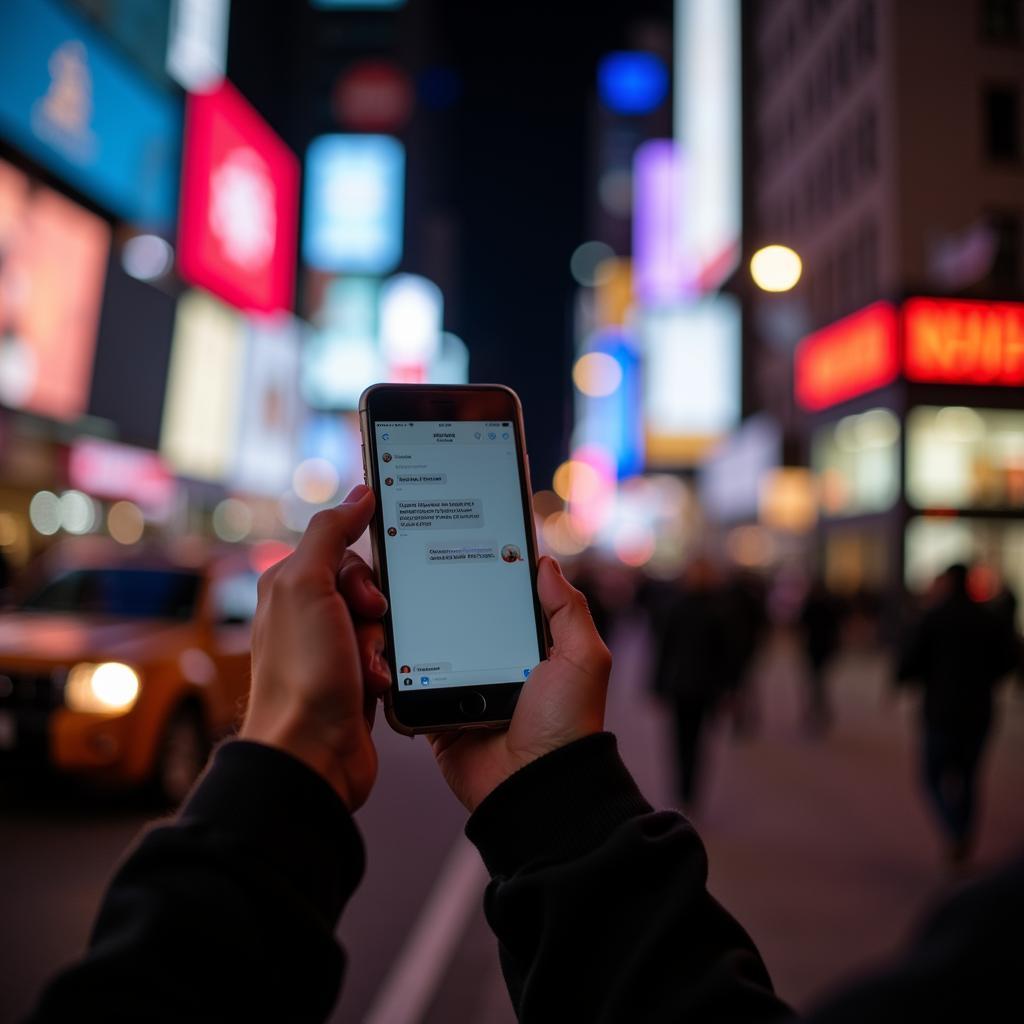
{"x":960,"y":342}
{"x":856,"y":354}
{"x":239,"y":204}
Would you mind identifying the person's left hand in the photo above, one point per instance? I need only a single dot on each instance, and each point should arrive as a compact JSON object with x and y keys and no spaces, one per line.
{"x":317,"y":653}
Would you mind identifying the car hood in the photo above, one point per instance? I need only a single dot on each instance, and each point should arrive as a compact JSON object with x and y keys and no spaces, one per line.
{"x":52,"y":639}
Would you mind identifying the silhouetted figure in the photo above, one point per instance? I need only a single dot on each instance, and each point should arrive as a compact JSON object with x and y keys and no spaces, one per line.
{"x":958,"y":652}
{"x":693,"y":666}
{"x":820,"y":620}
{"x":744,"y":605}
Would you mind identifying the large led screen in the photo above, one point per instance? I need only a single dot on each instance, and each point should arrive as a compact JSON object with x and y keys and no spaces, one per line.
{"x":53,"y":257}
{"x":691,"y":378}
{"x":239,"y":204}
{"x":201,"y":417}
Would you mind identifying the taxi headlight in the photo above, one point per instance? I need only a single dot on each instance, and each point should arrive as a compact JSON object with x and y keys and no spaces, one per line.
{"x":106,"y":688}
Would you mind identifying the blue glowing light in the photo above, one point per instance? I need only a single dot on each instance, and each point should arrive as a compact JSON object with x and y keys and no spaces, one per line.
{"x":632,"y":82}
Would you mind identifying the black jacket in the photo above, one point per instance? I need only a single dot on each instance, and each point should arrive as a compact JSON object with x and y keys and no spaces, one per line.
{"x":599,"y":903}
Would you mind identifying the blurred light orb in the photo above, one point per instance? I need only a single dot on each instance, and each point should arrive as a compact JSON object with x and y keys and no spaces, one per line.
{"x":615,"y":191}
{"x":147,"y":257}
{"x":125,"y":522}
{"x":232,"y":520}
{"x":634,"y":544}
{"x":561,"y":537}
{"x":585,"y":262}
{"x":315,"y":481}
{"x":77,"y":512}
{"x":44,"y":513}
{"x":776,"y":268}
{"x":597,"y":374}
{"x":632,"y":82}
{"x":577,"y":481}
{"x":8,"y":529}
{"x":546,"y":503}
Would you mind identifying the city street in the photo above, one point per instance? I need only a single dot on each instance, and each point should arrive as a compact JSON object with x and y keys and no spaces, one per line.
{"x":822,"y":848}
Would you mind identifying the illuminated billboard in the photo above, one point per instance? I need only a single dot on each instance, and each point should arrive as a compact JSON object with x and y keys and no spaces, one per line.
{"x":854,"y":355}
{"x":73,"y":103}
{"x":706,"y":113}
{"x":200,"y":423}
{"x":691,"y":378}
{"x":354,"y":202}
{"x":53,"y":258}
{"x":270,"y":410}
{"x":239,"y":204}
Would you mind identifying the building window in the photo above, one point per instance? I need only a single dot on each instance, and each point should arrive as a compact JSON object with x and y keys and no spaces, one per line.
{"x":1008,"y":264}
{"x":1001,"y":21}
{"x":1002,"y":123}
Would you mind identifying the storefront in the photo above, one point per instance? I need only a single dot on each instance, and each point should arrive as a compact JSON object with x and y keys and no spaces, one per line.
{"x":916,"y":434}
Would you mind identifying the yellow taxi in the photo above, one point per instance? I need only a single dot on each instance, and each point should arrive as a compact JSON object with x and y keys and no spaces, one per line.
{"x":125,"y":666}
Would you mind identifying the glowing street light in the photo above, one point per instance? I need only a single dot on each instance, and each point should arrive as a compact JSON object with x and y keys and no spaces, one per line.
{"x":775,"y":268}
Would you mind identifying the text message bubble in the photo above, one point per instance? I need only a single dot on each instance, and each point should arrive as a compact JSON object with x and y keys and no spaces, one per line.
{"x":421,"y":478}
{"x":460,"y":554}
{"x":440,"y":514}
{"x":437,"y":666}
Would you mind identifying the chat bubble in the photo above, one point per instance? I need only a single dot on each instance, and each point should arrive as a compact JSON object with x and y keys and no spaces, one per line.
{"x":440,"y":514}
{"x":451,"y":554}
{"x":433,"y":667}
{"x":421,"y":478}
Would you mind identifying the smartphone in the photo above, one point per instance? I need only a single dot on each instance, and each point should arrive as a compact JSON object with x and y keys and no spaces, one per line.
{"x":454,"y":551}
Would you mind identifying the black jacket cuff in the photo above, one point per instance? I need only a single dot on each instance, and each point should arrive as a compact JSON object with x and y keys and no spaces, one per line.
{"x":274,"y":807}
{"x":556,"y":808}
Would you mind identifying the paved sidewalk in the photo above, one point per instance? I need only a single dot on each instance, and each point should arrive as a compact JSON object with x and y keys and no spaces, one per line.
{"x":823,"y":848}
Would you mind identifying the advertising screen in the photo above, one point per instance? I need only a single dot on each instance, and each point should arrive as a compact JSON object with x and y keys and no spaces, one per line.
{"x":353,"y":205}
{"x":455,"y":542}
{"x":200,"y":420}
{"x":691,"y":378}
{"x":269,"y":416}
{"x":53,"y":257}
{"x":77,"y":106}
{"x":239,"y":204}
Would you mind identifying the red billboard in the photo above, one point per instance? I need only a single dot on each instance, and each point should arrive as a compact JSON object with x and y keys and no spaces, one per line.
{"x":239,"y":204}
{"x":856,"y":354}
{"x":956,"y":341}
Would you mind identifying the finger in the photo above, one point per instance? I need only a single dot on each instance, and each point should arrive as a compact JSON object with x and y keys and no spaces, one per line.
{"x":572,"y":629}
{"x":331,"y":531}
{"x":377,"y":675}
{"x":356,"y":586}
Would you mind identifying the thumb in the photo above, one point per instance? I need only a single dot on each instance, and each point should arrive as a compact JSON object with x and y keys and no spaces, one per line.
{"x":572,"y":629}
{"x":331,"y":531}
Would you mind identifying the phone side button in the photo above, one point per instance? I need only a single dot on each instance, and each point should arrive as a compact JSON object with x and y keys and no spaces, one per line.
{"x":473,"y":705}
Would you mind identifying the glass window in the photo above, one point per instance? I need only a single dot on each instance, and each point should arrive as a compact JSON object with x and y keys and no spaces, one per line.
{"x":125,"y":593}
{"x":856,"y":462}
{"x":1002,"y":123}
{"x":960,"y":458}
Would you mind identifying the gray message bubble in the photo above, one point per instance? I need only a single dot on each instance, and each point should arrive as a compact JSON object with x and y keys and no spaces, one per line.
{"x":440,"y":514}
{"x":451,"y":554}
{"x":433,"y":667}
{"x":421,"y":478}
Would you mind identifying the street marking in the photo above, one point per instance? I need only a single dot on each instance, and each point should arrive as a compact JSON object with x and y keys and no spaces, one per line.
{"x":405,"y":995}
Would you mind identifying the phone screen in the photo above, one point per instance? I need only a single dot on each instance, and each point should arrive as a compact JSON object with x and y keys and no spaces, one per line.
{"x":462,"y":607}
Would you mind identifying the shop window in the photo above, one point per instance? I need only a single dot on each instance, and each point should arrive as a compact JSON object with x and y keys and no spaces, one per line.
{"x":1002,"y":123}
{"x":1001,"y":21}
{"x":856,"y":462}
{"x":960,"y":458}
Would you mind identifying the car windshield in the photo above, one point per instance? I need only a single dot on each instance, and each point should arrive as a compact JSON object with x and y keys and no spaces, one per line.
{"x":130,"y":593}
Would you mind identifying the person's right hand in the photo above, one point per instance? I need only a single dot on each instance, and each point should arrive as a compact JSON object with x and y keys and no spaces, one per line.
{"x":562,"y":700}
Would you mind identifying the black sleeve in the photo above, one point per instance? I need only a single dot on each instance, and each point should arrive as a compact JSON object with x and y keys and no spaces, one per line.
{"x":228,"y":911}
{"x":600,"y":905}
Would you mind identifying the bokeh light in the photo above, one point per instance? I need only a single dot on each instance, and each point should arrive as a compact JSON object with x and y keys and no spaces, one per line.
{"x":44,"y":513}
{"x":125,"y":522}
{"x":315,"y":481}
{"x":597,"y":374}
{"x":776,"y":268}
{"x":585,"y":262}
{"x":77,"y":512}
{"x":232,"y":520}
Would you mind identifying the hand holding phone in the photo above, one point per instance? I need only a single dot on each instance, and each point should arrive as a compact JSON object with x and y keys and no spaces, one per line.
{"x":562,"y":701}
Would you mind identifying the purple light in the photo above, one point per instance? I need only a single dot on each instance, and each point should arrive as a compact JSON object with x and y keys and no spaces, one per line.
{"x":663,"y":269}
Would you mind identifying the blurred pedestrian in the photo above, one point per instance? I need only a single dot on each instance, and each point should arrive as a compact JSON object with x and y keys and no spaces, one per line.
{"x":744,"y":605}
{"x":820,"y":621}
{"x":692,"y":668}
{"x":958,"y":652}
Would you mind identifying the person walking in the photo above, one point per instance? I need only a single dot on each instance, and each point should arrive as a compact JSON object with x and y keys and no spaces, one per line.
{"x":820,"y":619}
{"x":957,"y":653}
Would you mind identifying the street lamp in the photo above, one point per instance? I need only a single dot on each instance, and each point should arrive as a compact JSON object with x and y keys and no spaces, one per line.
{"x":775,"y":268}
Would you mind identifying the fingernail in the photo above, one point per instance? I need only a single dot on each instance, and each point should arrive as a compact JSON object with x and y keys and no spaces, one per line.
{"x":556,"y":566}
{"x":357,"y":494}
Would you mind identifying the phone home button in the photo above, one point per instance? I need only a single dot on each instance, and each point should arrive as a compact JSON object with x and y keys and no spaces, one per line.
{"x":473,"y":705}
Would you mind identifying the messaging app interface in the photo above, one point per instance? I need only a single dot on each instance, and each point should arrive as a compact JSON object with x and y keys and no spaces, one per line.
{"x":459,"y":580}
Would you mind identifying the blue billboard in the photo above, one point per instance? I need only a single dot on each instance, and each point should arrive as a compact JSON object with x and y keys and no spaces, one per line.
{"x":75,"y":105}
{"x":354,"y":204}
